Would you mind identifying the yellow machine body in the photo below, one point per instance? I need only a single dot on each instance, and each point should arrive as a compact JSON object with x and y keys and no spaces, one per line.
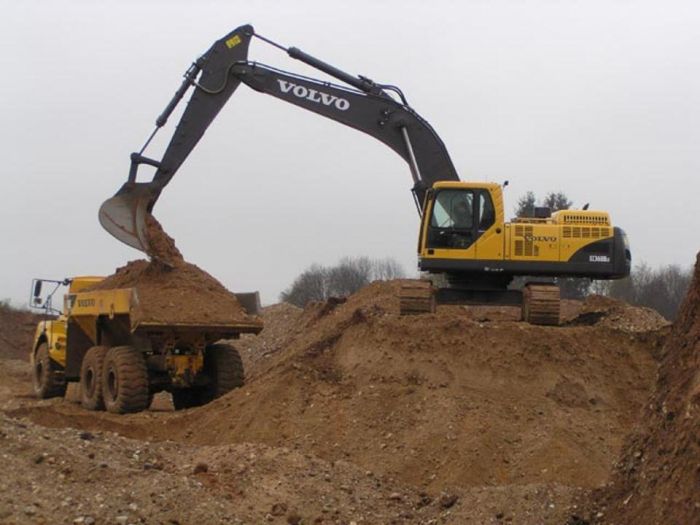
{"x":566,"y":243}
{"x":53,"y":332}
{"x":113,"y":317}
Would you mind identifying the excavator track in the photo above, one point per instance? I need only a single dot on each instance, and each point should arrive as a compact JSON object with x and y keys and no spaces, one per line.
{"x":541,"y":304}
{"x":417,"y":297}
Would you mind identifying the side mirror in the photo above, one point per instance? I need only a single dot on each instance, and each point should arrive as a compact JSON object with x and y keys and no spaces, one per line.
{"x":37,"y":290}
{"x":36,"y":299}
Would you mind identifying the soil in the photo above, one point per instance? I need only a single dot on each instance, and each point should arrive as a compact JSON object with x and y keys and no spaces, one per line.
{"x":161,"y":247}
{"x":657,"y":479}
{"x":179,"y":294}
{"x":17,"y":329}
{"x":171,"y":290}
{"x":352,"y":414}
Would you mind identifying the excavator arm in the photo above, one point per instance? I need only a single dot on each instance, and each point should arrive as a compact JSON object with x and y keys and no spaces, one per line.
{"x":364,"y":105}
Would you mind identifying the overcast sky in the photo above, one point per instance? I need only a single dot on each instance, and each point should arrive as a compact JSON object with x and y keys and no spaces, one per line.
{"x":599,"y":99}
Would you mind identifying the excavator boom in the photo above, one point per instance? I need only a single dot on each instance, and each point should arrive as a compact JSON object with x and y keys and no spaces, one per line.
{"x":365,"y":106}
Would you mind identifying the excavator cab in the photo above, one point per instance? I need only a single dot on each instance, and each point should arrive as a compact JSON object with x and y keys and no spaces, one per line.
{"x":457,"y":217}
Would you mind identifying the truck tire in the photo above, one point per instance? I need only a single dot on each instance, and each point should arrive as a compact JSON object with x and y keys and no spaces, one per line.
{"x":125,"y":380}
{"x":47,"y":376}
{"x":224,"y":369}
{"x":91,"y":378}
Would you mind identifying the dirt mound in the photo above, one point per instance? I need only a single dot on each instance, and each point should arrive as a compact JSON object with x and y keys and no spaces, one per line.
{"x":171,"y":290}
{"x":606,"y":311}
{"x":658,"y":477}
{"x":17,"y":328}
{"x":440,"y":400}
{"x":180,"y":294}
{"x":463,"y":416}
{"x":281,"y":321}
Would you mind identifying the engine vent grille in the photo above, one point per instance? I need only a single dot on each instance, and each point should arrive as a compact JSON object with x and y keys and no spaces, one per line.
{"x":584,"y":232}
{"x":525,"y":247}
{"x":585,"y":218}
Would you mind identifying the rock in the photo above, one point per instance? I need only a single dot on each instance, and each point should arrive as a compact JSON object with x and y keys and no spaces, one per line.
{"x":448,"y":500}
{"x":87,"y":436}
{"x":200,"y":467}
{"x":278,"y":509}
{"x":424,"y":500}
{"x":395,"y":496}
{"x":121,"y":520}
{"x":293,"y":518}
{"x":30,"y":510}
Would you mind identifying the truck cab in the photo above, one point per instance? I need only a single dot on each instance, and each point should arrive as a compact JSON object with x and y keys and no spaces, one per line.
{"x":48,"y":352}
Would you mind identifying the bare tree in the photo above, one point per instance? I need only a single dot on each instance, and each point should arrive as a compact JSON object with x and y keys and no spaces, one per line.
{"x":308,"y":287}
{"x":387,"y":269}
{"x":318,"y":283}
{"x":349,"y":276}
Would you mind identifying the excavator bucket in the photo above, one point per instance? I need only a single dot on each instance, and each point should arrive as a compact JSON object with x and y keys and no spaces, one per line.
{"x":124,"y":215}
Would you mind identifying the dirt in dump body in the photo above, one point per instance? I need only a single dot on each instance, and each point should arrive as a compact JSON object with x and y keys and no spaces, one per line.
{"x":179,"y":294}
{"x":171,"y":290}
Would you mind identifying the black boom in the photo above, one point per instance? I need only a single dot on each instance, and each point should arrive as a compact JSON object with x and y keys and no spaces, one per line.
{"x":365,"y":106}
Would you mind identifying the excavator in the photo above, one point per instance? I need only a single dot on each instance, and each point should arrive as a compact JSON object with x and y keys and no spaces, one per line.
{"x":467,"y":251}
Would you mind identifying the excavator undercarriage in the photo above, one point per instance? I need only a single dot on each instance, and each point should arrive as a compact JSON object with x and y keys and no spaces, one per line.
{"x":539,"y":302}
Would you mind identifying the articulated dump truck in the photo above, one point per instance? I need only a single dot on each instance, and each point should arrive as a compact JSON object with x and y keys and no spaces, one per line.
{"x":101,"y":340}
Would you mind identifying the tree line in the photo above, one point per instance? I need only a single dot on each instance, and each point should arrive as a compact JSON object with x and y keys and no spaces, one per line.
{"x":318,"y":283}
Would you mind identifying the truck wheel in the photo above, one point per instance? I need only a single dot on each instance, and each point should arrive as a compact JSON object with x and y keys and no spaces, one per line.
{"x":125,"y":380}
{"x":48,"y":376}
{"x":91,"y":378}
{"x":224,"y":368}
{"x":187,"y":398}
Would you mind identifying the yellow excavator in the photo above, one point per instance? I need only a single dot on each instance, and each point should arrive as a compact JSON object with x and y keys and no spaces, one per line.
{"x":464,"y":244}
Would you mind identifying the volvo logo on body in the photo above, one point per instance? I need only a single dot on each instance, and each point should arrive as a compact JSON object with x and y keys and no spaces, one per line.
{"x":540,"y":238}
{"x":313,"y":95}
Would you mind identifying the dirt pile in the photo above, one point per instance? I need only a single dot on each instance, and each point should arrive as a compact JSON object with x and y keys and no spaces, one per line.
{"x":658,"y":477}
{"x":17,"y":328}
{"x":180,"y":294}
{"x":281,"y":322}
{"x":353,"y":413}
{"x":71,"y":476}
{"x":171,"y":290}
{"x":606,"y":311}
{"x":441,"y":400}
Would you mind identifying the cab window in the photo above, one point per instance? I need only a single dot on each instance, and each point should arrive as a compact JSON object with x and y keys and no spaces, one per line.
{"x":453,"y":209}
{"x":452,"y":220}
